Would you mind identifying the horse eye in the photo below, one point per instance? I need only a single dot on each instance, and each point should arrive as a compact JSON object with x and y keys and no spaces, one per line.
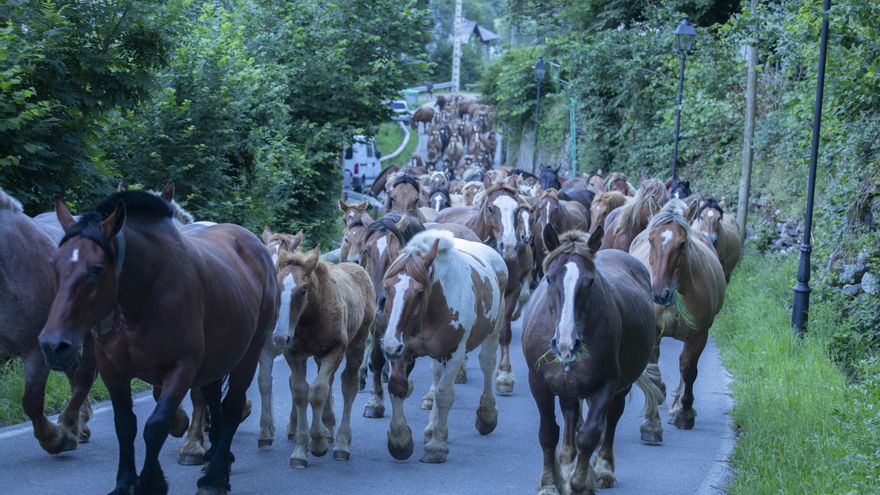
{"x":96,"y":271}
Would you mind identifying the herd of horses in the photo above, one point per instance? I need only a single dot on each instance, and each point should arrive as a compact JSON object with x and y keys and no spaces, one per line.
{"x":600,"y":269}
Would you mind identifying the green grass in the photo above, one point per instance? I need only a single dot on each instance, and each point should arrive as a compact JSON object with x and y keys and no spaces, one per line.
{"x":57,"y":392}
{"x":388,"y":138}
{"x":803,"y":428}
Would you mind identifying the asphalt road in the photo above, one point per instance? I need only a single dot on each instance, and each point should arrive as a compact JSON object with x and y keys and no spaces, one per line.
{"x":504,"y":462}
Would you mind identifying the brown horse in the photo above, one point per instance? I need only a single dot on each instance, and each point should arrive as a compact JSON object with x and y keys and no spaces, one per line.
{"x":588,"y":334}
{"x":215,"y":286}
{"x":326,"y":312}
{"x":379,"y":185}
{"x":499,"y":222}
{"x":722,"y":231}
{"x":444,"y":299}
{"x":602,"y":204}
{"x":356,"y":220}
{"x":623,"y":224}
{"x":424,"y":115}
{"x":29,"y":279}
{"x":403,"y":196}
{"x":618,"y":182}
{"x":562,"y":216}
{"x":687,"y":284}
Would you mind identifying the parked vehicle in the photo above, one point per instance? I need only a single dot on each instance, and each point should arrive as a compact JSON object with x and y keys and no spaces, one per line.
{"x":361,"y":164}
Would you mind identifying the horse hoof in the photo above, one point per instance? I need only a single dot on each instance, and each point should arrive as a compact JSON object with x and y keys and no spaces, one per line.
{"x":188,"y":459}
{"x":299,"y":463}
{"x":212,"y":490}
{"x":401,"y":450}
{"x":504,"y":383}
{"x":683,"y":422}
{"x":427,"y":404}
{"x":605,"y":480}
{"x":433,"y":457}
{"x":652,"y":437}
{"x":374,"y":411}
{"x":341,"y":455}
{"x":547,"y":490}
{"x":63,"y":442}
{"x":263,"y":443}
{"x":85,"y":434}
{"x":487,"y":420}
{"x":461,"y":377}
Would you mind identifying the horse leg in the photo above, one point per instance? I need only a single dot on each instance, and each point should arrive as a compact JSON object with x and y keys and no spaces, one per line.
{"x":375,"y":406}
{"x":571,"y":413}
{"x":505,"y":380}
{"x":180,"y":422}
{"x":428,"y":399}
{"x":655,"y":369}
{"x":651,"y":428}
{"x":192,"y":452}
{"x":78,"y":412}
{"x":604,"y":462}
{"x":683,"y":417}
{"x":354,"y":355}
{"x":174,"y":388}
{"x":400,"y":442}
{"x":299,"y":387}
{"x":461,"y":376}
{"x":211,"y":396}
{"x":365,"y":363}
{"x":125,"y":421}
{"x":436,"y":449}
{"x":319,"y":393}
{"x":548,"y":436}
{"x":264,"y":380}
{"x":487,"y":412}
{"x":583,"y":479}
{"x":53,"y":438}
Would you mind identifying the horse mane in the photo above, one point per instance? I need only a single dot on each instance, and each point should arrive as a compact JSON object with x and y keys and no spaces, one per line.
{"x":551,"y":193}
{"x":7,"y":202}
{"x":652,"y":193}
{"x":388,"y":223}
{"x":406,"y":179}
{"x":611,"y":197}
{"x":671,"y":213}
{"x":409,"y":262}
{"x":571,"y":243}
{"x":614,"y":177}
{"x":709,"y":202}
{"x":179,"y":213}
{"x":298,"y":257}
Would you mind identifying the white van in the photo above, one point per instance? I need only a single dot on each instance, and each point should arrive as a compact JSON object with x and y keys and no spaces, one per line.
{"x":361,"y":164}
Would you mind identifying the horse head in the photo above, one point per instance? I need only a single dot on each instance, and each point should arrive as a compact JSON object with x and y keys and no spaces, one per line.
{"x":276,"y":242}
{"x":296,"y":279}
{"x":708,"y":219}
{"x":668,"y":238}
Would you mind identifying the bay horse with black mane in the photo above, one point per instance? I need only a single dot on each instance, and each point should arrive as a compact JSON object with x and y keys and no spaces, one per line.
{"x":722,"y":230}
{"x":588,"y":334}
{"x":191,"y":308}
{"x":562,"y":215}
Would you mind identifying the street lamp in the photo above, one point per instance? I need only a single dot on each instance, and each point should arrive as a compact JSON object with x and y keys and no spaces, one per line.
{"x":540,"y":71}
{"x":684,"y":42}
{"x":802,"y":289}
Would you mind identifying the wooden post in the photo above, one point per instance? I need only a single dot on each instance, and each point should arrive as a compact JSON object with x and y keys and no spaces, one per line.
{"x":456,"y":49}
{"x":745,"y":181}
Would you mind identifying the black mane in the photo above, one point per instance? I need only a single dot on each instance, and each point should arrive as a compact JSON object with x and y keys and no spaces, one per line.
{"x":710,"y":202}
{"x":388,"y":223}
{"x":407,"y":179}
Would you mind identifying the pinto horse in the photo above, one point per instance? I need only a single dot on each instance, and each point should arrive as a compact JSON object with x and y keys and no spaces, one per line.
{"x":588,"y":334}
{"x":190,"y":307}
{"x":603,"y":204}
{"x":623,"y":224}
{"x":25,"y":274}
{"x":722,"y":231}
{"x":444,"y":300}
{"x":562,"y":215}
{"x":687,"y":285}
{"x":326,"y":312}
{"x":502,"y":220}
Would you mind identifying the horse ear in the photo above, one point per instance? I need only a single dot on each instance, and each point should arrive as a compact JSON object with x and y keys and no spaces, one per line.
{"x":429,"y":257}
{"x":551,"y":238}
{"x":168,"y":191}
{"x":595,"y":241}
{"x":64,"y":217}
{"x":403,"y":222}
{"x":297,"y":240}
{"x":511,"y":182}
{"x":343,"y":206}
{"x":267,"y":234}
{"x":121,"y":187}
{"x":362,"y":205}
{"x":113,"y":223}
{"x":558,"y":169}
{"x":314,"y":256}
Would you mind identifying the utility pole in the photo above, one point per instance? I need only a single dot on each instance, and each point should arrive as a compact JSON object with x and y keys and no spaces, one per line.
{"x":745,"y":181}
{"x":456,"y":48}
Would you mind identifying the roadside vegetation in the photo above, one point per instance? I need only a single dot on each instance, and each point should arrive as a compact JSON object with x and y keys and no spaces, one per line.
{"x":389,"y":135}
{"x":804,"y":426}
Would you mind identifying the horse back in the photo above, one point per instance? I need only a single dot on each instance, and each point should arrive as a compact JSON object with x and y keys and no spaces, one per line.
{"x":355,"y":291}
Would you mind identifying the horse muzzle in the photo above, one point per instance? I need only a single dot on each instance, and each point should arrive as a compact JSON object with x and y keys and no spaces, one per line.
{"x":663,"y":297}
{"x":565,"y":354}
{"x":61,"y":353}
{"x":713,"y":237}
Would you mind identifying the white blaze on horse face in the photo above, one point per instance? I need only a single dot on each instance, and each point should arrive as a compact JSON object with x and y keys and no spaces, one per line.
{"x":437,"y":201}
{"x":382,"y":245}
{"x":507,"y":206}
{"x":75,"y":256}
{"x":566,"y":318}
{"x":548,"y":211}
{"x":667,"y":236}
{"x":527,"y":223}
{"x":282,"y":328}
{"x":390,"y":342}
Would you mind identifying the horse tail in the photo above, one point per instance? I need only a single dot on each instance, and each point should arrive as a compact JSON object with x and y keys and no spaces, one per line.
{"x":648,"y":382}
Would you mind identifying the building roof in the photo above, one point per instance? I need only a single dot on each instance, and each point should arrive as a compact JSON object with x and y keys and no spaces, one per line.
{"x":470,"y":28}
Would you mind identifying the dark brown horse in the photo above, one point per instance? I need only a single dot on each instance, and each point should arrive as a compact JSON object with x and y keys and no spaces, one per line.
{"x":623,"y":224}
{"x":28,"y":283}
{"x":687,"y":285}
{"x":588,"y":334}
{"x":618,"y":182}
{"x":190,"y":308}
{"x":562,"y":215}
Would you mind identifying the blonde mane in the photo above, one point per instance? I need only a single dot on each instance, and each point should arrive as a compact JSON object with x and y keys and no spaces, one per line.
{"x":653,"y":194}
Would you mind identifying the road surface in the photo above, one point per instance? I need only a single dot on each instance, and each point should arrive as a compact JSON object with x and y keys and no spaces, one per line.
{"x":508,"y":461}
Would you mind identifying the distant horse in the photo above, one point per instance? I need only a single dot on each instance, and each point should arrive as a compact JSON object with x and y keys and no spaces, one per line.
{"x":424,"y":115}
{"x":687,"y":285}
{"x":549,"y":177}
{"x":381,"y":181}
{"x":595,"y":182}
{"x":403,"y":196}
{"x":439,"y":200}
{"x":588,"y":334}
{"x":326,"y":312}
{"x":679,"y":189}
{"x":28,"y":284}
{"x":215,"y":286}
{"x":499,"y":221}
{"x":562,"y":215}
{"x":617,"y":182}
{"x":602,"y":205}
{"x":623,"y":224}
{"x":455,"y":150}
{"x":722,"y":231}
{"x":444,"y":299}
{"x":356,"y":221}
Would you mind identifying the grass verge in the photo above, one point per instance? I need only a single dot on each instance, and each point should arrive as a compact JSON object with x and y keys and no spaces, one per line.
{"x":57,"y":392}
{"x":388,"y":138}
{"x":803,"y":427}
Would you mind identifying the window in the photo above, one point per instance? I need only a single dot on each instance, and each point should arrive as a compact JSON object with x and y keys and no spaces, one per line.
{"x":348,"y":153}
{"x":370,"y":152}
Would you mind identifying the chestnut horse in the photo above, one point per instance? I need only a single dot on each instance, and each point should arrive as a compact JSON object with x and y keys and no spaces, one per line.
{"x":502,"y":221}
{"x":603,"y":204}
{"x":687,"y":285}
{"x":618,"y":182}
{"x":623,"y":224}
{"x":356,"y":220}
{"x":588,"y":334}
{"x":214,"y":286}
{"x":326,"y":312}
{"x":562,"y":215}
{"x":403,"y":196}
{"x":29,"y":280}
{"x":722,"y":231}
{"x":444,"y":300}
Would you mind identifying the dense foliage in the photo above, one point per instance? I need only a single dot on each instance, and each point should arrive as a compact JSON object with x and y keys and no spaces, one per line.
{"x":244,"y":104}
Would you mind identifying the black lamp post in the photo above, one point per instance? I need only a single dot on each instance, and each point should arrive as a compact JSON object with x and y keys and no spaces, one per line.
{"x":802,"y":289}
{"x":540,"y":71}
{"x":684,"y":42}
